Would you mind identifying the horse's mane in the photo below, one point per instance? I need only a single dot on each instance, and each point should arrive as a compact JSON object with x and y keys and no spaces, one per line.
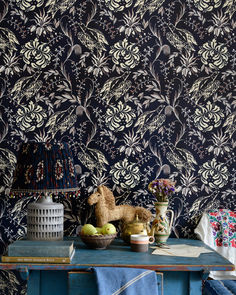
{"x":108,"y":196}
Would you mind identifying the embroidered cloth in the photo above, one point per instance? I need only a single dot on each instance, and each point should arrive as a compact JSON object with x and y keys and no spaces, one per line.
{"x":217,"y":229}
{"x":223,"y":223}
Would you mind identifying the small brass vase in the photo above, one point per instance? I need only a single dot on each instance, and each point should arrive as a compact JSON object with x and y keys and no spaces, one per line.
{"x":135,"y":227}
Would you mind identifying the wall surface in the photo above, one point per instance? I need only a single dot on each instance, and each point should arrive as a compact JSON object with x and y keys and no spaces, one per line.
{"x":139,"y":89}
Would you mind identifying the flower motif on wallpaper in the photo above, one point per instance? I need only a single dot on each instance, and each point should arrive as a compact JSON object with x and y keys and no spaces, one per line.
{"x":30,"y":117}
{"x":29,"y":5}
{"x":11,"y":64}
{"x":36,"y":54}
{"x":125,"y":54}
{"x":209,"y":117}
{"x":188,"y":65}
{"x":207,"y":5}
{"x":131,"y":24}
{"x":220,"y":24}
{"x":42,"y":24}
{"x":126,"y":174}
{"x":131,"y":144}
{"x":214,"y":174}
{"x":120,"y":117}
{"x":214,"y":54}
{"x":99,"y":65}
{"x":117,"y":5}
{"x":220,"y":144}
{"x":188,"y":184}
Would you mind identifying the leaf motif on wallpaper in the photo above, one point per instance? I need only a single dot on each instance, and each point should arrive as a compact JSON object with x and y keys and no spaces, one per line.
{"x":230,"y":7}
{"x":61,"y":121}
{"x":8,"y":40}
{"x":181,"y":158}
{"x":26,"y":87}
{"x":76,"y":48}
{"x":4,"y":11}
{"x":230,"y":124}
{"x":204,"y":203}
{"x":7,"y":165}
{"x":7,"y":160}
{"x":3,"y":128}
{"x":115,"y":87}
{"x":72,"y":215}
{"x":9,"y":284}
{"x":229,"y":192}
{"x":204,"y":87}
{"x":92,"y":38}
{"x":177,"y":206}
{"x":181,"y":38}
{"x":147,"y":6}
{"x":150,"y":121}
{"x":62,"y":5}
{"x":196,"y":206}
{"x":93,"y":159}
{"x":19,"y":210}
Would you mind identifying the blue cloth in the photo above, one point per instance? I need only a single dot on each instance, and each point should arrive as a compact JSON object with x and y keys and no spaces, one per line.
{"x":125,"y":281}
{"x":221,"y":287}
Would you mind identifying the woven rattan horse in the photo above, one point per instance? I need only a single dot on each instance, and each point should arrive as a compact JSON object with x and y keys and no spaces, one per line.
{"x":106,"y":209}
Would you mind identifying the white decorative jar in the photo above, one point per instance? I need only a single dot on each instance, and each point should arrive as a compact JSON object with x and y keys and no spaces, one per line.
{"x":45,"y":220}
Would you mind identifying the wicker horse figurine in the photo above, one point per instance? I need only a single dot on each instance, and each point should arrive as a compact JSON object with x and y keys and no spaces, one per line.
{"x":106,"y":209}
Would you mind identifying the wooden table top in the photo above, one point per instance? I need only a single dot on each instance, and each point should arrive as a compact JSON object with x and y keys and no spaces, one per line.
{"x":118,"y":254}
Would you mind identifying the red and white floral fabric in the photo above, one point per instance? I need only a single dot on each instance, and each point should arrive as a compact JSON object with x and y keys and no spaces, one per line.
{"x":217,"y":229}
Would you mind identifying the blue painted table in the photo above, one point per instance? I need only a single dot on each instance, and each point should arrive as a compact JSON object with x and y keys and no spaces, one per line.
{"x":176,"y":275}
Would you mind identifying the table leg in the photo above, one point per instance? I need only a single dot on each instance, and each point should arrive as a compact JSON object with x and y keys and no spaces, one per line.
{"x":33,"y":284}
{"x":195,"y":283}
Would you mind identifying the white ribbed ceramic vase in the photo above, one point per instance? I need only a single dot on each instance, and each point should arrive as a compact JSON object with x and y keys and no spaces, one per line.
{"x":45,"y":220}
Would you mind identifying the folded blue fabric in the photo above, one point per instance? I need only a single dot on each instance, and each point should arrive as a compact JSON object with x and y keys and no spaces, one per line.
{"x":125,"y":281}
{"x":230,"y":285}
{"x":223,"y":287}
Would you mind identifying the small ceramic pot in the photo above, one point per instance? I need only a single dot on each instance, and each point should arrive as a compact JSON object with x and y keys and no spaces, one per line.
{"x":140,"y":243}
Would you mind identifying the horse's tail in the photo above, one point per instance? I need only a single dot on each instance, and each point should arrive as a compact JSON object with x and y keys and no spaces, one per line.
{"x":143,"y":214}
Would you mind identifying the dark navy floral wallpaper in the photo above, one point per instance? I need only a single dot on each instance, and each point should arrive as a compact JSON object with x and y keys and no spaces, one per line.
{"x":139,"y":89}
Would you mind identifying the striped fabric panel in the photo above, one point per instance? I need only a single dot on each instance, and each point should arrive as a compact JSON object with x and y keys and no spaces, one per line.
{"x":135,"y":279}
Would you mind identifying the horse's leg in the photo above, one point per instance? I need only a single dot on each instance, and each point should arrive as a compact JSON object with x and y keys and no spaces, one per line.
{"x":98,"y":216}
{"x":101,"y":217}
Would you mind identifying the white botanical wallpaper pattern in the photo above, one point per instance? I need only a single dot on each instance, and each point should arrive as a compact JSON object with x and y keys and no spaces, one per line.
{"x":139,"y":89}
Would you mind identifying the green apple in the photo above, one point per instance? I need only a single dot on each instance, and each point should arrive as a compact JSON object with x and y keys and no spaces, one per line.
{"x":88,"y":229}
{"x":99,"y":230}
{"x":108,"y":229}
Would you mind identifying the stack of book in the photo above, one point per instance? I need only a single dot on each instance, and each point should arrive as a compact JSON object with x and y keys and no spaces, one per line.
{"x":40,"y":251}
